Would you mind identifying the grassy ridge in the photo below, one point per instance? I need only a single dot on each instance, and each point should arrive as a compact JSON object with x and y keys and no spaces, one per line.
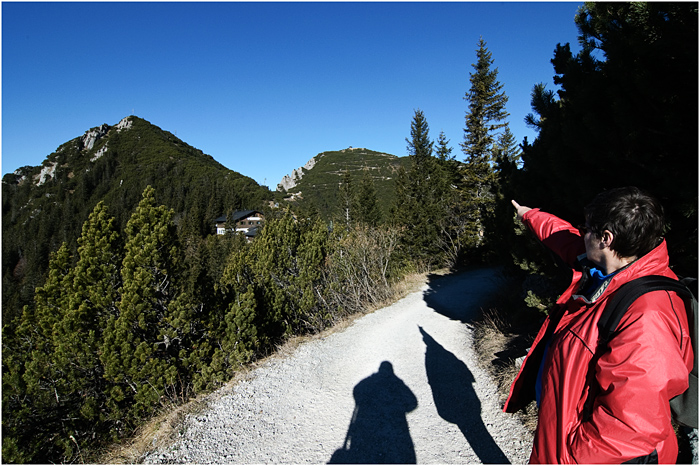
{"x":319,"y":185}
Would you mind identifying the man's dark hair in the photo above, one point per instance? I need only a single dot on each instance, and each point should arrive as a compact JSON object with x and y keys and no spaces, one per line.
{"x":635,"y":218}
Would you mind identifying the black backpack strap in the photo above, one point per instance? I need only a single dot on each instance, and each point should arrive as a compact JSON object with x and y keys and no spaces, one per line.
{"x":629,"y":293}
{"x":612,"y":314}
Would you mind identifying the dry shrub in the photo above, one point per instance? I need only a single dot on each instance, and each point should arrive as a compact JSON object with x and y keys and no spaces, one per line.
{"x":496,"y":343}
{"x":490,"y":338}
{"x":489,"y":334}
{"x":358,"y":272}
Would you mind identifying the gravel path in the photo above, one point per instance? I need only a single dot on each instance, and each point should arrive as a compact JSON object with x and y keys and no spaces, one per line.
{"x":399,"y":385}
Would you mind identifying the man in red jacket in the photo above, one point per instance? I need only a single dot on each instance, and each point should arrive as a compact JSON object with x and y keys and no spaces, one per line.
{"x":649,"y":358}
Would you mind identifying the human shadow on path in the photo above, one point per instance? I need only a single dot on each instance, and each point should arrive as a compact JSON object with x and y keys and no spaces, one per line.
{"x":378,"y":431}
{"x":456,"y":401}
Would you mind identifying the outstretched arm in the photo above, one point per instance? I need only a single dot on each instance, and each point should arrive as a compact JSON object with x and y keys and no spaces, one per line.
{"x":558,"y":235}
{"x":521,"y":209}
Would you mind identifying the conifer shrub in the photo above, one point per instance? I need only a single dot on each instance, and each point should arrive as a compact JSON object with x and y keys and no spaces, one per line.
{"x":138,"y":320}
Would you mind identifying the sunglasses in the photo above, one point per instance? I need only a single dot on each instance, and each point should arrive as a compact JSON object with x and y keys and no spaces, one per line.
{"x":583,"y":229}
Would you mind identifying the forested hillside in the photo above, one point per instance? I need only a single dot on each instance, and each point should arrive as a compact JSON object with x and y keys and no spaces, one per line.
{"x":47,"y":205}
{"x":118,"y":301}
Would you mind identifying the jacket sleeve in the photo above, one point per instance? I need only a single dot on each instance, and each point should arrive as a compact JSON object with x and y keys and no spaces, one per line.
{"x":646,"y":366}
{"x":558,"y":235}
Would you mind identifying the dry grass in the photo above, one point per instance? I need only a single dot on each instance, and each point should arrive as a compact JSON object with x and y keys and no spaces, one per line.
{"x":156,"y":433}
{"x":494,"y":340}
{"x":490,"y":338}
{"x":409,"y":284}
{"x":163,"y":428}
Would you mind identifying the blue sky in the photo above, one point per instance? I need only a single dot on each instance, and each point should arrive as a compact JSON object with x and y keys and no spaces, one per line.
{"x":264,"y":87}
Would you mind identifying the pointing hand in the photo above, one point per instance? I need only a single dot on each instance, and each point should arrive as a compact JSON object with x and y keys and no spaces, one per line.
{"x":521,"y":209}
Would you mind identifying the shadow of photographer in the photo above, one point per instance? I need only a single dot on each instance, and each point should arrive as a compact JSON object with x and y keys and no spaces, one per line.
{"x":456,"y":401}
{"x":378,"y":431}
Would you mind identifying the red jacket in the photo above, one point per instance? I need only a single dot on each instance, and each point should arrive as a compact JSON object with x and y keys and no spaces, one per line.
{"x":647,"y":365}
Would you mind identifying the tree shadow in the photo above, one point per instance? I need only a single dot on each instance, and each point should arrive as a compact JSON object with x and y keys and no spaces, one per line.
{"x":378,"y":431}
{"x":448,"y":295}
{"x":456,"y":400}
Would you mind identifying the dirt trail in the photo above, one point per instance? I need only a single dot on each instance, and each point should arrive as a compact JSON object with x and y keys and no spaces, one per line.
{"x":400,"y":385}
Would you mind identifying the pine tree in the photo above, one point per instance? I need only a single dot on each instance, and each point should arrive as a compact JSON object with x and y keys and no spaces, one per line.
{"x":77,"y":336}
{"x":235,"y":340}
{"x":136,"y":352}
{"x":420,"y":147}
{"x":448,"y":168}
{"x":543,"y":104}
{"x":274,"y":255}
{"x":627,"y":104}
{"x":38,"y":407}
{"x":451,"y":218}
{"x":507,"y":156}
{"x":443,"y":151}
{"x":415,"y":211}
{"x":284,"y":266}
{"x":485,"y":118}
{"x":366,"y":202}
{"x":503,"y":226}
{"x":63,"y":373}
{"x":241,"y":339}
{"x":233,"y":324}
{"x":312,"y":316}
{"x":345,"y":201}
{"x":506,"y":148}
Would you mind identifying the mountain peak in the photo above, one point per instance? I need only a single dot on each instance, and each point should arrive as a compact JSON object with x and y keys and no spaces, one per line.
{"x":93,"y":135}
{"x":82,"y":144}
{"x":125,"y":123}
{"x":318,"y":180}
{"x":292,"y":180}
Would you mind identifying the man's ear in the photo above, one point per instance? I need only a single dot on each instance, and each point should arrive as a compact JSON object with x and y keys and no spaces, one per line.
{"x":607,"y":238}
